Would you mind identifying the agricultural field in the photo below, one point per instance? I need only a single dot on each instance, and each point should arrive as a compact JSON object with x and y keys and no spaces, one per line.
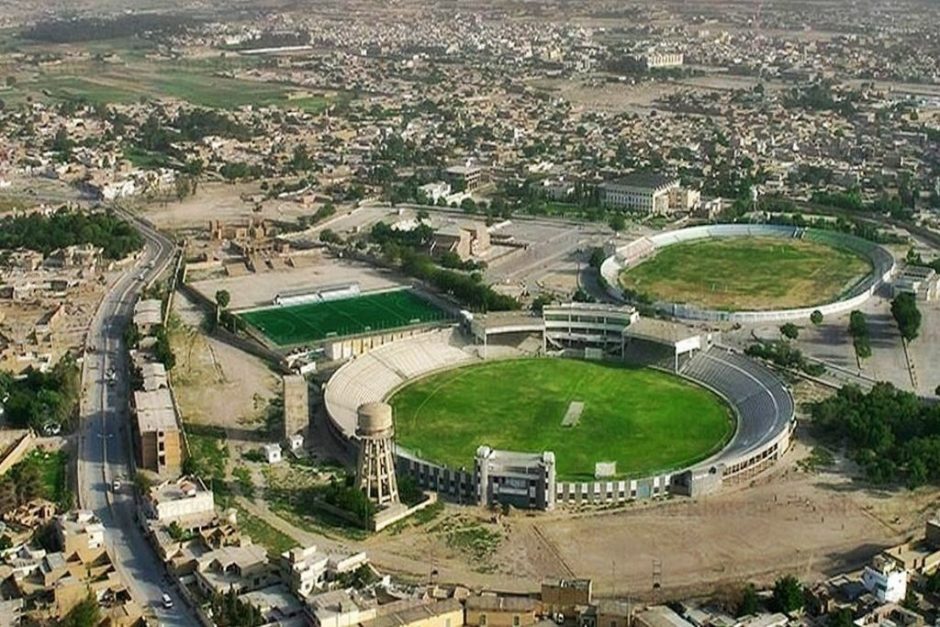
{"x":208,"y":83}
{"x":643,"y":419}
{"x":747,"y":273}
{"x":309,"y":322}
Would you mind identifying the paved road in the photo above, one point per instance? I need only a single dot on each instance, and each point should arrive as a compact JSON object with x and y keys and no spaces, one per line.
{"x":105,"y":445}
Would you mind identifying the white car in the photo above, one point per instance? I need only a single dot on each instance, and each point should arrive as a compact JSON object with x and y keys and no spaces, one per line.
{"x":167,"y":601}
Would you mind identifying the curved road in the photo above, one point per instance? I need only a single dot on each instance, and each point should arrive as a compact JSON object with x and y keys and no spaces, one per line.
{"x":104,"y":451}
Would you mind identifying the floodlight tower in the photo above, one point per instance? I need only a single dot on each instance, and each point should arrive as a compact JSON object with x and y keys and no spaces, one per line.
{"x":375,"y":472}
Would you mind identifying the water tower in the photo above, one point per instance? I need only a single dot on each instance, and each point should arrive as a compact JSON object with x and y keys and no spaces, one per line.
{"x":375,"y":472}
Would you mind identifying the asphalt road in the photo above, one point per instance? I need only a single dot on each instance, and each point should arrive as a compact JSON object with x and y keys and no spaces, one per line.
{"x":105,"y":450}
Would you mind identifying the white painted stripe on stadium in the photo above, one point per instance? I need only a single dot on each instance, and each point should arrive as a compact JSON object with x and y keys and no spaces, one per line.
{"x":759,"y":382}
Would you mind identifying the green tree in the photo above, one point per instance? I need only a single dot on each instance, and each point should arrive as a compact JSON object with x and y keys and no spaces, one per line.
{"x":842,"y":617}
{"x":788,"y":594}
{"x":790,"y":331}
{"x":222,"y":300}
{"x":816,"y":317}
{"x":328,"y":236}
{"x":905,"y":312}
{"x":618,"y":222}
{"x":749,"y":604}
{"x":858,"y":329}
{"x":597,"y":257}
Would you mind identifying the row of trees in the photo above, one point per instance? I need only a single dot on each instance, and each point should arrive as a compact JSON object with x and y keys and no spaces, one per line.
{"x":781,"y":353}
{"x":892,"y":434}
{"x":66,"y":227}
{"x":905,"y":312}
{"x":858,"y":329}
{"x":406,"y":248}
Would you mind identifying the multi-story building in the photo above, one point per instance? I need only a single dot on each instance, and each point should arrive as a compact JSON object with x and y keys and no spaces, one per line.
{"x":490,"y":610}
{"x":642,"y":192}
{"x":886,"y":579}
{"x":80,"y":532}
{"x":159,"y":445}
{"x":465,"y":178}
{"x":663,"y":59}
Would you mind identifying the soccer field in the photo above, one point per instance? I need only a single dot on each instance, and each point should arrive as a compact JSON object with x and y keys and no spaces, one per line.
{"x":748,"y":273}
{"x":309,"y":322}
{"x":645,"y":420}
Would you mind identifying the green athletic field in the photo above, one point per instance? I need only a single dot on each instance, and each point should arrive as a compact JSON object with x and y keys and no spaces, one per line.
{"x":297,"y":324}
{"x":748,"y":273}
{"x":643,"y":419}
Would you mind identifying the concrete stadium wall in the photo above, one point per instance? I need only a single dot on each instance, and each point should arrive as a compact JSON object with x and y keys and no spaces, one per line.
{"x":639,"y":250}
{"x":460,"y":484}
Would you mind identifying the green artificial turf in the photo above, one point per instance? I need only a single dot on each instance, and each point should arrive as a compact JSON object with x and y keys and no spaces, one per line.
{"x":310,"y":322}
{"x":645,"y":420}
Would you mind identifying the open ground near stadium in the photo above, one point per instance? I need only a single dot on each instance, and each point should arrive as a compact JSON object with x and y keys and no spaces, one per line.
{"x":748,"y":273}
{"x":311,"y":322}
{"x":643,"y":419}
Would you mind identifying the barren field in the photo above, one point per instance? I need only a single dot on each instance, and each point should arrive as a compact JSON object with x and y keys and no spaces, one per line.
{"x":219,"y":201}
{"x":253,"y":290}
{"x":215,"y":383}
{"x":811,"y":524}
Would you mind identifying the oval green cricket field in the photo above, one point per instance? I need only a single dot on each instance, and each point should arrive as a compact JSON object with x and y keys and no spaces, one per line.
{"x":585,"y":412}
{"x":747,"y":273}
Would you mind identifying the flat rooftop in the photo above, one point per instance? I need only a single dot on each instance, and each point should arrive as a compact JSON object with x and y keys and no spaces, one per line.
{"x":660,"y":331}
{"x":648,"y":180}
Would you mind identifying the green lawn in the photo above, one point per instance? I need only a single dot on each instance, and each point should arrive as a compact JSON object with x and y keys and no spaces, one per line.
{"x":643,"y":419}
{"x":310,"y":322}
{"x":263,"y":533}
{"x":52,"y":469}
{"x":748,"y":273}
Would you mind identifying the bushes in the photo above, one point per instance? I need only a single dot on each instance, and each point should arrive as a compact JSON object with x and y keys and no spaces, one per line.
{"x":347,"y":497}
{"x":785,"y":356}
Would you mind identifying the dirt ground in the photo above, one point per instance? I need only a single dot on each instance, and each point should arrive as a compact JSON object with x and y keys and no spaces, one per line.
{"x":215,"y":383}
{"x":790,"y":520}
{"x":260,"y":289}
{"x":219,"y":201}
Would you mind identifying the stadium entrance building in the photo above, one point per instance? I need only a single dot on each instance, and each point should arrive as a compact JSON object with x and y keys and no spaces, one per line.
{"x":596,"y":328}
{"x":652,"y":342}
{"x":522,"y":480}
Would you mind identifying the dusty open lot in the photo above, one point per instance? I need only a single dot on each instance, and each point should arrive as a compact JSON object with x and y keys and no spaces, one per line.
{"x":219,"y":201}
{"x":252,"y":290}
{"x":790,"y":521}
{"x":215,"y":383}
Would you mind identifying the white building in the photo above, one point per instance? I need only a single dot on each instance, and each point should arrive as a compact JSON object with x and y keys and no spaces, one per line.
{"x":663,"y":59}
{"x":304,"y":569}
{"x":185,"y":501}
{"x":272,"y":453}
{"x":435,"y":191}
{"x":886,"y":579}
{"x":642,"y":192}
